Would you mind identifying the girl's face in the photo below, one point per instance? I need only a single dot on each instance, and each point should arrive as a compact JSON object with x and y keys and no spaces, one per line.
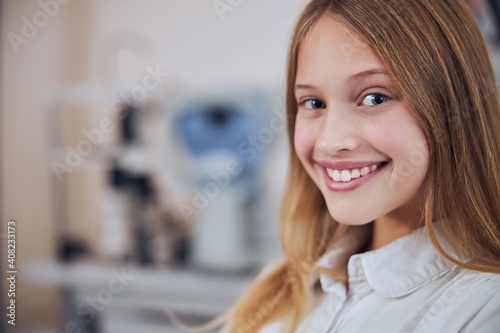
{"x":353,"y":134}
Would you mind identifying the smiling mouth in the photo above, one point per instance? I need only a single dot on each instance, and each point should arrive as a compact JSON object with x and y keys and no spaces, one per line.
{"x":347,"y":175}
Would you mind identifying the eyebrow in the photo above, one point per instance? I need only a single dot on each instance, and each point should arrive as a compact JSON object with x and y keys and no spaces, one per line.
{"x":368,"y":73}
{"x":303,"y":86}
{"x":351,"y":78}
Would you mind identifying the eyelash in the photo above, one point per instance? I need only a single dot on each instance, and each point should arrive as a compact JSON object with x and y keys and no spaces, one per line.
{"x":310,"y":100}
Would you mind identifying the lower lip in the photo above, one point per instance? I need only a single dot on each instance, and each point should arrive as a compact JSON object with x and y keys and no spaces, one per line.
{"x":352,"y":184}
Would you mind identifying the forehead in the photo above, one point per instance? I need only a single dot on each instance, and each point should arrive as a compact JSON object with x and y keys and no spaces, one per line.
{"x":334,"y":47}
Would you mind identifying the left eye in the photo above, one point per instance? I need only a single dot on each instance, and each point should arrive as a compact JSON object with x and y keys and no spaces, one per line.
{"x":314,"y":104}
{"x":375,"y":99}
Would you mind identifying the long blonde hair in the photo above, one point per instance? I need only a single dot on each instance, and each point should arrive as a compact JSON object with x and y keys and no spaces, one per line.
{"x":438,"y":61}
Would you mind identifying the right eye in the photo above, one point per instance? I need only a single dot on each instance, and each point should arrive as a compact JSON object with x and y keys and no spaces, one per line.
{"x":314,"y":104}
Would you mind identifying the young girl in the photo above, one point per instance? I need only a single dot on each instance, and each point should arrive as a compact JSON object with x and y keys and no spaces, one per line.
{"x":391,"y":221}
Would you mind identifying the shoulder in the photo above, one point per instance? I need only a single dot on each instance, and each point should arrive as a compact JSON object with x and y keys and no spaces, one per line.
{"x":485,"y":307}
{"x":477,"y":285}
{"x":470,"y":304}
{"x":480,"y":281}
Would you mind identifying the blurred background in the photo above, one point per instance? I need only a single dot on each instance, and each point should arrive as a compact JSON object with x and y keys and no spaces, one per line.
{"x":143,"y":156}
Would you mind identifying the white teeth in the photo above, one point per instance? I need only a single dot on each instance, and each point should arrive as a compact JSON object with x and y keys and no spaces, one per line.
{"x":347,"y":175}
{"x":355,"y":173}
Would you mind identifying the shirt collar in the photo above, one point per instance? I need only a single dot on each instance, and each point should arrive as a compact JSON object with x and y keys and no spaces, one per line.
{"x":338,"y":256}
{"x":394,"y":270}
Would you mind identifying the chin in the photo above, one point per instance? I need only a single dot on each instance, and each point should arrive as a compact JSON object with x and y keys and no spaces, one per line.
{"x":349,"y":218}
{"x":348,"y":212}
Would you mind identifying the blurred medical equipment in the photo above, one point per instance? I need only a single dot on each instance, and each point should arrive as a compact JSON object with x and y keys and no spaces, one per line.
{"x":218,"y":131}
{"x":110,"y":198}
{"x":181,"y":186}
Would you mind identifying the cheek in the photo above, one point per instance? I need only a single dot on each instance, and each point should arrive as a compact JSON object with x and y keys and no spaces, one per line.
{"x":402,"y":140}
{"x":303,"y":142}
{"x":398,"y":136}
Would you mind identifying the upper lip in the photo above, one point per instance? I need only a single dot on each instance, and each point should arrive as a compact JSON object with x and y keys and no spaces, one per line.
{"x":347,"y":165}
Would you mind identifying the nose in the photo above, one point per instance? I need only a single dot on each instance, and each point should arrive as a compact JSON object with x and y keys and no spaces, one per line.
{"x":338,"y":133}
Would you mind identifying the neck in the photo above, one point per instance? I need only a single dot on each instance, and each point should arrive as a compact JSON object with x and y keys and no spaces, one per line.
{"x":390,"y":227}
